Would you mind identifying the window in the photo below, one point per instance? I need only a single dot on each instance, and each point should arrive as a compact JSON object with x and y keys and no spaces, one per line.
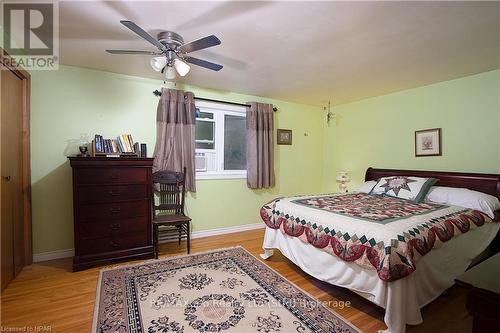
{"x":205,"y":130}
{"x":220,"y":137}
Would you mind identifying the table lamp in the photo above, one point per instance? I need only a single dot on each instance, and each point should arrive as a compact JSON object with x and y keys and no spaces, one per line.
{"x":343,"y":178}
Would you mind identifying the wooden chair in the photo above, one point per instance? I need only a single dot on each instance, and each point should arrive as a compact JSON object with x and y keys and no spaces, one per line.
{"x":169,"y":220}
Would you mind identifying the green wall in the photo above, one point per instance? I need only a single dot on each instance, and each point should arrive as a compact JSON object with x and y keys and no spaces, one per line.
{"x":374,"y":132}
{"x":74,"y":101}
{"x":379,"y":131}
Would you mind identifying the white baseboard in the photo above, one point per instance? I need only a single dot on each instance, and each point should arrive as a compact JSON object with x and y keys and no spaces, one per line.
{"x":46,"y":256}
{"x":226,"y":230}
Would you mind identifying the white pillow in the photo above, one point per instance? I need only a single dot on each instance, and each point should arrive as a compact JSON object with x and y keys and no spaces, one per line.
{"x":404,"y":187}
{"x":463,"y":197}
{"x":367,"y":187}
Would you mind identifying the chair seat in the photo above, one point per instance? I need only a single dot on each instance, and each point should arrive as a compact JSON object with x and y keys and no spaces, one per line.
{"x":166,"y":219}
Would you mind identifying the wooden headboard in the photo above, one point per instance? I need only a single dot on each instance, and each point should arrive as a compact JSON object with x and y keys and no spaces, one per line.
{"x":486,"y":183}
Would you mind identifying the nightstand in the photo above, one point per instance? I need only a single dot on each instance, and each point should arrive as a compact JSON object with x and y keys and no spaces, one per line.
{"x":483,"y":294}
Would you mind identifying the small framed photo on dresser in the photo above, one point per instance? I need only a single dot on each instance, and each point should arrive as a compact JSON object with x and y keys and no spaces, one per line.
{"x":428,"y":142}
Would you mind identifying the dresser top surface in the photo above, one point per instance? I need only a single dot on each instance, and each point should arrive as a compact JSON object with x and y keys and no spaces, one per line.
{"x":110,"y":161}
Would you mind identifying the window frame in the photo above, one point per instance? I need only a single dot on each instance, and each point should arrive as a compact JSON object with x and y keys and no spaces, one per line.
{"x":219,"y":111}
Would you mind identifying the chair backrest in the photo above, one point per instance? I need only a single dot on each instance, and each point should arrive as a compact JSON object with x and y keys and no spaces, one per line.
{"x":169,"y":187}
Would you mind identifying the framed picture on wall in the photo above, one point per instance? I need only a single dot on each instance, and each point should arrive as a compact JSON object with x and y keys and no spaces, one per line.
{"x":428,"y":142}
{"x":284,"y":137}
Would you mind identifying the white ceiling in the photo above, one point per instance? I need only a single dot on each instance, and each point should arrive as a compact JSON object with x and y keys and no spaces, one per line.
{"x":306,"y":52}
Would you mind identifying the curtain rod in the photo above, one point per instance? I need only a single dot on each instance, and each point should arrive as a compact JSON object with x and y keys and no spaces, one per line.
{"x":158,"y":93}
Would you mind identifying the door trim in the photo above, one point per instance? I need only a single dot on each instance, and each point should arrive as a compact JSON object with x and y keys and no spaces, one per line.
{"x":6,"y":63}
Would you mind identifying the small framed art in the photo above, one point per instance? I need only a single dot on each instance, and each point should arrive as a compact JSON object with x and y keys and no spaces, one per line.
{"x":428,"y":142}
{"x":284,"y":137}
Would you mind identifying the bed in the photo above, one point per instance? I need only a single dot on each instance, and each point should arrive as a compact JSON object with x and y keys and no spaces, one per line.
{"x":401,"y":257}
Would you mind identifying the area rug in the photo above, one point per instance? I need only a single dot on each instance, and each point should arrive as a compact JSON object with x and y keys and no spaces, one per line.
{"x":227,"y":290}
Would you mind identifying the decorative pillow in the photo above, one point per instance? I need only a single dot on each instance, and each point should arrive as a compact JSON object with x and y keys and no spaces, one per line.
{"x":463,"y":197}
{"x":410,"y":188}
{"x":367,"y":187}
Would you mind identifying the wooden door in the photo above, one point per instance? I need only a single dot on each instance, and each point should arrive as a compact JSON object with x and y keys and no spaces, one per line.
{"x":7,"y":241}
{"x":14,"y":183}
{"x":12,"y":226}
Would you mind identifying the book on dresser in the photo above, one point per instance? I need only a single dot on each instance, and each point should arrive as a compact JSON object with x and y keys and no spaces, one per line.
{"x":111,"y":209}
{"x":122,"y":145}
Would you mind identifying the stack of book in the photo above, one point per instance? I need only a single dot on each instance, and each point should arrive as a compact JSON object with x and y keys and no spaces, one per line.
{"x":122,"y":145}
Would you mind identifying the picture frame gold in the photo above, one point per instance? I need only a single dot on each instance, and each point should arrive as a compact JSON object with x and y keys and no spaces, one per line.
{"x":428,"y":142}
{"x":284,"y":136}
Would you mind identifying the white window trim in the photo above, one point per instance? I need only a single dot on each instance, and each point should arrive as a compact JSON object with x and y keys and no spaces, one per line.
{"x":227,"y":109}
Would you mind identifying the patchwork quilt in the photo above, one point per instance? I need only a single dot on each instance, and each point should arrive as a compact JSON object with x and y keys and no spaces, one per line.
{"x":378,"y":232}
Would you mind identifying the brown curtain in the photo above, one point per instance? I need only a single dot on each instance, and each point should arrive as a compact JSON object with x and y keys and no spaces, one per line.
{"x":175,"y":122}
{"x":260,"y":148}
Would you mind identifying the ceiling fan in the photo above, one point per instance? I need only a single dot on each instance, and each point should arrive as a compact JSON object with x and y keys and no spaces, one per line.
{"x":172,"y":54}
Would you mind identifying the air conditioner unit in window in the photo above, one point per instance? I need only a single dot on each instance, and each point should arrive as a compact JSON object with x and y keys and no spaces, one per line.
{"x":200,"y":161}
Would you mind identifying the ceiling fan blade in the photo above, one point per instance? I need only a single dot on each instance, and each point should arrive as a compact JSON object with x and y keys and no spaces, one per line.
{"x":141,"y":32}
{"x":199,"y":44}
{"x":203,"y":63}
{"x":133,"y":52}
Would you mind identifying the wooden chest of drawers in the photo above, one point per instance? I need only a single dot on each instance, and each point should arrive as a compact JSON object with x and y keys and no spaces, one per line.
{"x":112,"y":209}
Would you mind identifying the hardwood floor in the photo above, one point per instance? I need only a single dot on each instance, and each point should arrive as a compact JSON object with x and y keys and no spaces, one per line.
{"x":49,"y":296}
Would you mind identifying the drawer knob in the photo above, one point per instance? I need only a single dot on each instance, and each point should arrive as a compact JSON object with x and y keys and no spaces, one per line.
{"x":113,"y":175}
{"x":114,"y":193}
{"x":114,"y":244}
{"x":114,"y":210}
{"x":115,"y":226}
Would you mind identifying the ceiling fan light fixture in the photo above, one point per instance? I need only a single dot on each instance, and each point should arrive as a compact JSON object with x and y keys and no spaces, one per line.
{"x":169,"y":72}
{"x":157,"y":63}
{"x":181,"y":67}
{"x":170,"y":45}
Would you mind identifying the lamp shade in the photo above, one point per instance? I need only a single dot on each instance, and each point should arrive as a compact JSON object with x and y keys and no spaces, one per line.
{"x":169,"y":72}
{"x":157,"y":63}
{"x":343,"y":177}
{"x":181,"y":67}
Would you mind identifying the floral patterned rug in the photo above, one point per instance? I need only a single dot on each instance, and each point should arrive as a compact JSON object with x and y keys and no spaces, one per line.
{"x":227,"y":290}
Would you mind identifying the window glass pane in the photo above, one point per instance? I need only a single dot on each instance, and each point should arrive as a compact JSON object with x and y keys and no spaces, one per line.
{"x":204,"y":134}
{"x":206,"y":115}
{"x":234,"y":143}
